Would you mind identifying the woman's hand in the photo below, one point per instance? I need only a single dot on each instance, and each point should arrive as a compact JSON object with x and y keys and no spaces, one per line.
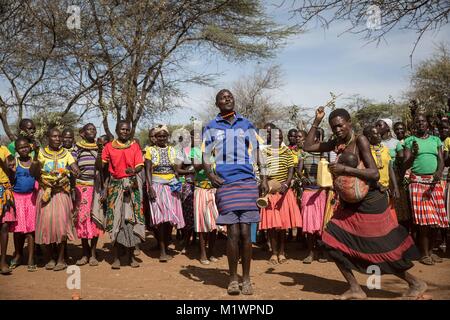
{"x":396,"y":194}
{"x":284,"y":187}
{"x":216,"y":181}
{"x":264,"y":187}
{"x":437,"y":176}
{"x":337,"y":169}
{"x":415,"y":149}
{"x":129,"y":171}
{"x":151,"y":194}
{"x":320,"y":114}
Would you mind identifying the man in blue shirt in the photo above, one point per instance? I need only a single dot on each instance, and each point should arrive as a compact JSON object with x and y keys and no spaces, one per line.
{"x":232,"y":140}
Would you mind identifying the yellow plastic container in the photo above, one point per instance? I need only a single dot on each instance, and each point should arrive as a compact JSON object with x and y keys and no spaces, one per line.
{"x":324,"y":178}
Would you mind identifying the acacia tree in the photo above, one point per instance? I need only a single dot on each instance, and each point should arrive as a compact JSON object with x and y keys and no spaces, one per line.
{"x":430,"y":82}
{"x":375,"y":19}
{"x":28,"y":41}
{"x":129,"y":59}
{"x":143,"y":49}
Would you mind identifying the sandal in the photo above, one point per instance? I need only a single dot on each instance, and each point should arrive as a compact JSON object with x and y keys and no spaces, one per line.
{"x":205,"y":262}
{"x":93,"y":262}
{"x":213,"y":259}
{"x":84,"y":260}
{"x":282,"y":259}
{"x":436,"y":258}
{"x":50,"y":265}
{"x":134,"y":263}
{"x":233,"y":288}
{"x":427,"y":260}
{"x":14,"y":264}
{"x":116,"y":265}
{"x":6,"y":271}
{"x":60,"y":266}
{"x":308,"y":260}
{"x":32,"y":268}
{"x":247,"y":288}
{"x":273,"y":260}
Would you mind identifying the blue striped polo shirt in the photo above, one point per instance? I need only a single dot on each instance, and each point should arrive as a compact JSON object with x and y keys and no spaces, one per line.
{"x":233,"y":147}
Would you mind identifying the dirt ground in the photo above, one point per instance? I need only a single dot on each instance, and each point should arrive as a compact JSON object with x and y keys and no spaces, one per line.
{"x":185,"y":278}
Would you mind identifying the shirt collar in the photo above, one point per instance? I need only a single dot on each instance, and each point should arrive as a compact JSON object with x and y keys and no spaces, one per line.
{"x":220,"y":119}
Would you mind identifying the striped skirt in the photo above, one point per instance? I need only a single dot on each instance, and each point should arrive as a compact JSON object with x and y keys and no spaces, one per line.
{"x":167,"y":207}
{"x":313,"y":210}
{"x":54,"y":219}
{"x":237,"y":196}
{"x":205,"y":210}
{"x":428,"y":202}
{"x":281,"y":213}
{"x":358,"y":240}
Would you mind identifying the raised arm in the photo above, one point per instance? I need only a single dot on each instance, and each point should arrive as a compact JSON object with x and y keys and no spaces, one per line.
{"x":310,"y":145}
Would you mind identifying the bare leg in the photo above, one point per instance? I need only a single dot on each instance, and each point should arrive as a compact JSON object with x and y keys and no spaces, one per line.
{"x":272,"y":234}
{"x":163,"y":241}
{"x":424,"y":241}
{"x":202,"y":236}
{"x":94,"y":247}
{"x":61,"y":252}
{"x":310,"y":242}
{"x":30,"y":240}
{"x":246,"y":250}
{"x":132,"y":259}
{"x":355,"y":291}
{"x":416,"y":287}
{"x":233,"y":250}
{"x":4,"y":246}
{"x":246,"y":258}
{"x":282,"y":240}
{"x":49,"y":256}
{"x":86,"y":250}
{"x":115,"y":251}
{"x":212,"y":236}
{"x":19,"y":242}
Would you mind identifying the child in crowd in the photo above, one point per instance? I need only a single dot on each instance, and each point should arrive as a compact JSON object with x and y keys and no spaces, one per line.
{"x":282,"y":213}
{"x":25,"y":193}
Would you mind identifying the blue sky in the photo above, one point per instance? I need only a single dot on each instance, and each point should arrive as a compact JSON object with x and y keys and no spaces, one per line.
{"x":317,"y":62}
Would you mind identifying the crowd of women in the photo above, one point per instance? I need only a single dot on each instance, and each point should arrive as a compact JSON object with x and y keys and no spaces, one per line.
{"x":389,"y":188}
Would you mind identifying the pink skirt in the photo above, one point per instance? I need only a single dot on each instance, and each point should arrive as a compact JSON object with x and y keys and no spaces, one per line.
{"x":85,"y":227}
{"x":25,"y":212}
{"x":281,"y":213}
{"x":313,"y":210}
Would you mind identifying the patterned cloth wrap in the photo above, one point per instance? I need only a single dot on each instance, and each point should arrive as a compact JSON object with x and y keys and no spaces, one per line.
{"x":6,"y":198}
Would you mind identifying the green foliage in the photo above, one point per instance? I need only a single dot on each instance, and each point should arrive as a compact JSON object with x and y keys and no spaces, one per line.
{"x":431,"y":82}
{"x":374,"y":111}
{"x":46,"y":120}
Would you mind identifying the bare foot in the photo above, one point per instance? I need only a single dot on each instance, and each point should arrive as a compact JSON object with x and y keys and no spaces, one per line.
{"x":416,"y":290}
{"x":352,"y":295}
